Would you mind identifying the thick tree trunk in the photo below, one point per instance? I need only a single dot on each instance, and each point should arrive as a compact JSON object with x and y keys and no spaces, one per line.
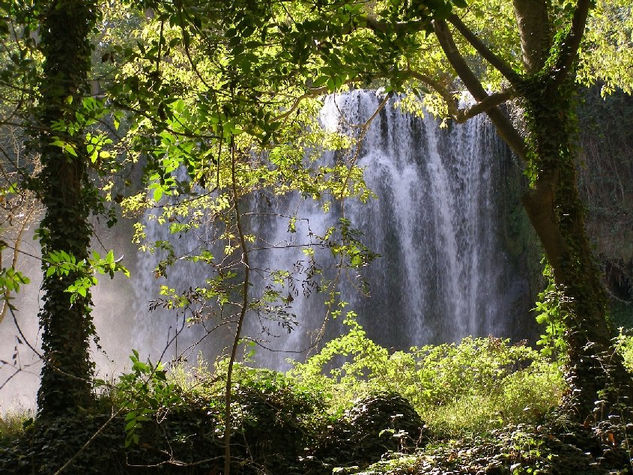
{"x":595,"y":371}
{"x":66,"y":326}
{"x":533,"y":22}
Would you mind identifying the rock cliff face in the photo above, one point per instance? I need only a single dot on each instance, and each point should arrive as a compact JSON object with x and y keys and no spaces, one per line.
{"x":606,"y":184}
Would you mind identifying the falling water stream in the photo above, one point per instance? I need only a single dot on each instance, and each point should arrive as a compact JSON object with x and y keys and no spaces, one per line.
{"x":436,"y":222}
{"x":439,"y":222}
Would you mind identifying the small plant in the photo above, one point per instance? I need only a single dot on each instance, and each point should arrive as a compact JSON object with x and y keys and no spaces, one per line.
{"x":624,"y":345}
{"x":145,"y":393}
{"x":550,"y":314}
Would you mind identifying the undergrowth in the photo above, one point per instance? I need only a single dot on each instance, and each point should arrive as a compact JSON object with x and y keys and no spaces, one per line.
{"x":463,"y":388}
{"x":12,"y":425}
{"x":304,"y":421}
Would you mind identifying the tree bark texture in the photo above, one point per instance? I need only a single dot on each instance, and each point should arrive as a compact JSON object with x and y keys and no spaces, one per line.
{"x":66,"y":326}
{"x":533,"y":22}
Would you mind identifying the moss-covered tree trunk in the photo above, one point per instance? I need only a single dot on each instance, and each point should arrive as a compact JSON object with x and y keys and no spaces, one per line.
{"x":548,"y":94}
{"x":66,"y":326}
{"x":545,"y":91}
{"x":595,"y":371}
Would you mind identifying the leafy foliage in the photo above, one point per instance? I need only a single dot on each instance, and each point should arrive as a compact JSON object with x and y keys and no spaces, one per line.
{"x":296,"y":423}
{"x":549,"y":313}
{"x":624,"y":345}
{"x":220,"y":100}
{"x":11,"y":280}
{"x":474,"y":386}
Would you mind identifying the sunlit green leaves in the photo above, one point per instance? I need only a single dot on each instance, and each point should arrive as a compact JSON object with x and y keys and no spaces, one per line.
{"x":606,"y":56}
{"x":144,"y":392}
{"x":63,"y":264}
{"x":10,"y":281}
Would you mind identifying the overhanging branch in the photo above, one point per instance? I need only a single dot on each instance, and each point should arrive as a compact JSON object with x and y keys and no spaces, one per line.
{"x":485,"y":105}
{"x":503,"y":125}
{"x":494,"y":60}
{"x":438,"y":87}
{"x":457,"y":114}
{"x":462,"y":115}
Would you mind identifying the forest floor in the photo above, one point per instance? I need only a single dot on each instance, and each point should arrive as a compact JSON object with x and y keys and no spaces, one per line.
{"x":183,"y":445}
{"x":521,"y":449}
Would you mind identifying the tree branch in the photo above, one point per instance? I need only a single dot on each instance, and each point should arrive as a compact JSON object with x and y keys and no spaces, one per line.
{"x":243,"y":309}
{"x":462,"y":115}
{"x":570,"y":45}
{"x":485,"y":52}
{"x":440,"y":88}
{"x":534,"y":25}
{"x":374,"y":24}
{"x":503,"y":125}
{"x":485,"y":105}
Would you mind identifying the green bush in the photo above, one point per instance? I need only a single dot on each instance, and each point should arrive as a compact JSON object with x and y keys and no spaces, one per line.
{"x":299,"y":422}
{"x":12,"y":425}
{"x":624,"y":345}
{"x":478,"y":384}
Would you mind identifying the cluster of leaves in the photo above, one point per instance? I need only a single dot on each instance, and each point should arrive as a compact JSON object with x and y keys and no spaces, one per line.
{"x":62,"y":263}
{"x":145,"y":392}
{"x":550,"y":314}
{"x":473,"y":386}
{"x":476,"y":385}
{"x":11,"y":280}
{"x":516,"y":449}
{"x":180,"y":417}
{"x":47,"y":448}
{"x":624,"y":345}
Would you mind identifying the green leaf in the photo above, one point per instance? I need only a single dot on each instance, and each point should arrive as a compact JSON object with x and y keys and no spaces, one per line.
{"x":69,"y":148}
{"x":158,"y":193}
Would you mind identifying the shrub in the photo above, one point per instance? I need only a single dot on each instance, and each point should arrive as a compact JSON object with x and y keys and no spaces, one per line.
{"x":12,"y":425}
{"x":476,"y":385}
{"x":624,"y":345}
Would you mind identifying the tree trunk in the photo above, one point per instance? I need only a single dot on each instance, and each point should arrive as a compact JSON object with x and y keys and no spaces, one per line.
{"x":66,"y":326}
{"x":595,"y":372}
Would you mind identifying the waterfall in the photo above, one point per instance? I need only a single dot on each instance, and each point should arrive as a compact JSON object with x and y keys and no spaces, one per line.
{"x":437,"y":222}
{"x":444,"y":272}
{"x":446,"y":221}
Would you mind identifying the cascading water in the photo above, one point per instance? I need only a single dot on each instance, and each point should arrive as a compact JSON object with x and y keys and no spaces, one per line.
{"x":450,"y":264}
{"x":436,"y":222}
{"x":444,"y":272}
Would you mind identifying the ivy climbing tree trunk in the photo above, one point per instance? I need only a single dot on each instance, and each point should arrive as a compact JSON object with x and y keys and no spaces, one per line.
{"x":545,"y":92}
{"x":595,"y":370}
{"x":66,"y":326}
